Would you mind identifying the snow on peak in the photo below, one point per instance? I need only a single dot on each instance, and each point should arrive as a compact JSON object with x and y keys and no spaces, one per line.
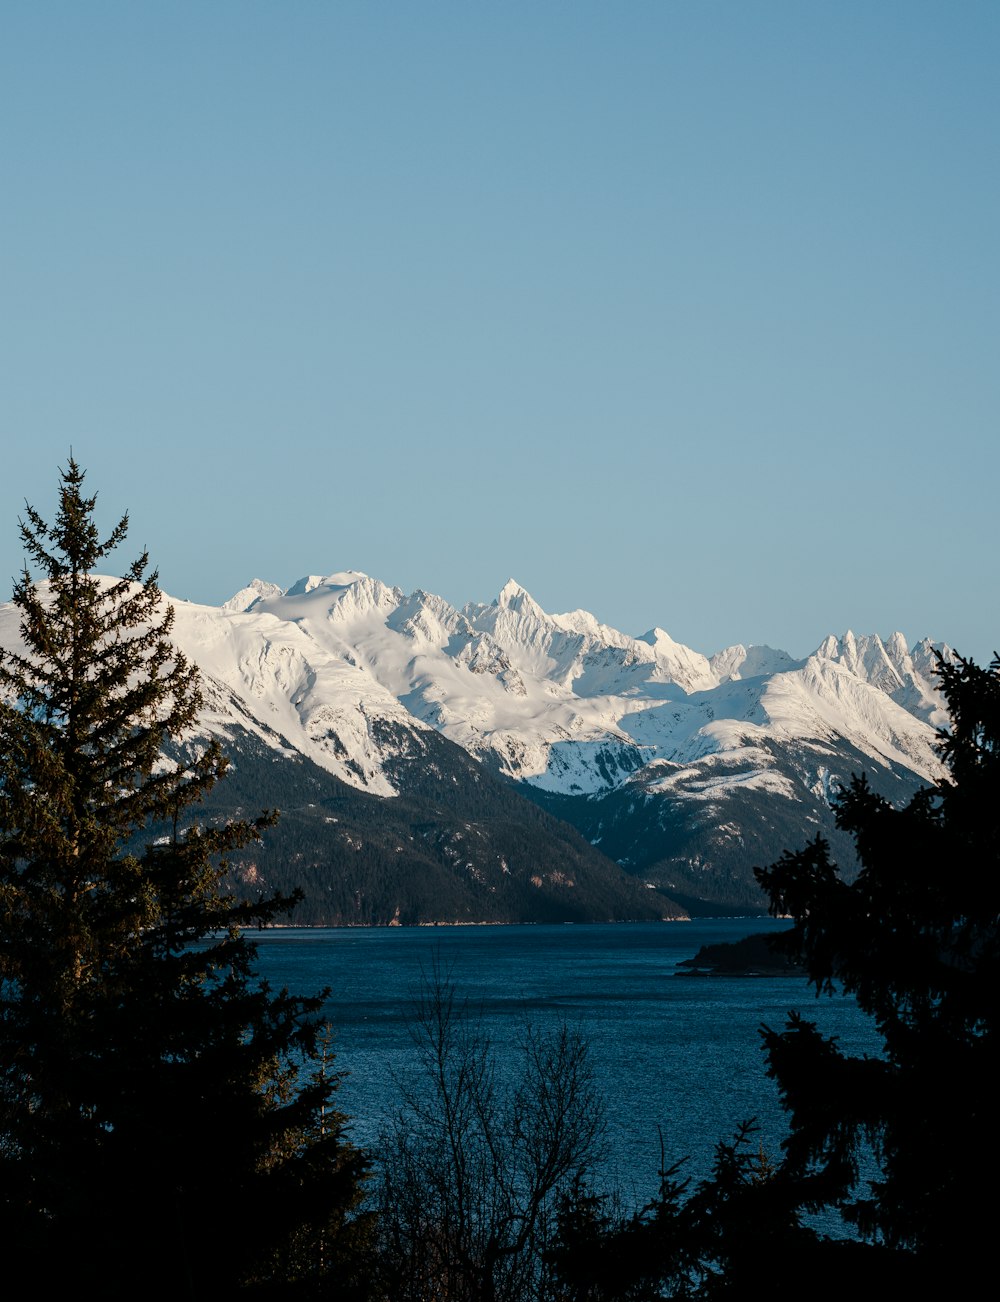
{"x":426,"y":617}
{"x":581,"y":621}
{"x":678,"y":663}
{"x":550,"y":698}
{"x":925,"y":653}
{"x":865,"y":655}
{"x":867,"y":658}
{"x":658,"y":637}
{"x":754,"y":661}
{"x":344,"y":578}
{"x":340,"y":579}
{"x":360,"y":598}
{"x":896,"y":647}
{"x":908,"y":677}
{"x":307,"y":584}
{"x":513,"y":597}
{"x":255,"y":590}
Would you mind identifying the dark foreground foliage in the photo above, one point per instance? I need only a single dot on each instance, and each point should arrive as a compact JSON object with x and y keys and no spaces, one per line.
{"x":167,"y":1126}
{"x":916,"y":939}
{"x":478,"y":1161}
{"x":165,"y":1118}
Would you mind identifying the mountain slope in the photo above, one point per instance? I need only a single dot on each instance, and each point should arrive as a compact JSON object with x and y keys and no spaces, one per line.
{"x":403,"y":711}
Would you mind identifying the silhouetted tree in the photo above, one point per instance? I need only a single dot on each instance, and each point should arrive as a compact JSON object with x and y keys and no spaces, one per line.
{"x":916,"y":939}
{"x":476,"y":1165}
{"x":904,"y":1144}
{"x":736,"y":1234}
{"x":165,"y":1126}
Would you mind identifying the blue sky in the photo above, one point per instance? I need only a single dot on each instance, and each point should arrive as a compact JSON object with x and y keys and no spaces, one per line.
{"x":685,"y":313}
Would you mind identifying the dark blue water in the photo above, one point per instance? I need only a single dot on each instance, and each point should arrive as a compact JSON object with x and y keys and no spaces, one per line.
{"x":672,"y":1052}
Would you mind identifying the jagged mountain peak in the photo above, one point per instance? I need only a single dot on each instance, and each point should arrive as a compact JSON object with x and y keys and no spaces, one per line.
{"x":929,"y":651}
{"x":658,"y":637}
{"x":885,"y":663}
{"x":424,"y":616}
{"x":896,"y":646}
{"x":342,"y":597}
{"x":352,"y":674}
{"x":908,"y":677}
{"x":851,"y":644}
{"x":513,"y":597}
{"x":541,"y":694}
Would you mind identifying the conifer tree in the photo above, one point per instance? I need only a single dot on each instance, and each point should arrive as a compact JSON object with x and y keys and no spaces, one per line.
{"x":164,"y":1115}
{"x":903,"y":1143}
{"x":916,"y":939}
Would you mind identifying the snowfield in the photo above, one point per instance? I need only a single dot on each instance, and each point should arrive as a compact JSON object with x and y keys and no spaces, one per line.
{"x":563,"y":702}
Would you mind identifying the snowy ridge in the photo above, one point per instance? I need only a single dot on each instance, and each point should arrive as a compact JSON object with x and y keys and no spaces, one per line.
{"x":292,"y":691}
{"x":908,"y":677}
{"x":561,"y":701}
{"x":572,"y":705}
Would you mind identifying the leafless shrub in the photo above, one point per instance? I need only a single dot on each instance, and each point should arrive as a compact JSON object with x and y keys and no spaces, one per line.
{"x":475,"y":1164}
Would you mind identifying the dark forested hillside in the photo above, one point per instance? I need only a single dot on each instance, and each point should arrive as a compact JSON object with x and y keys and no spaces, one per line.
{"x":702,"y":852}
{"x":458,"y":846}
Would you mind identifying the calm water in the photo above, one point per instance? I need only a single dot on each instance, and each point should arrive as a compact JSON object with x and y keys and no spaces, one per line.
{"x":670,"y":1050}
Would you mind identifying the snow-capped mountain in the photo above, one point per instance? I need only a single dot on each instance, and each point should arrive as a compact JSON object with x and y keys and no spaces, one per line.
{"x":561,"y":702}
{"x":670,"y":762}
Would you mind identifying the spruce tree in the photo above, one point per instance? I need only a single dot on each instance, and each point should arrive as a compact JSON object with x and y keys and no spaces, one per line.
{"x":901,"y":1142}
{"x":165,"y":1120}
{"x":916,"y":939}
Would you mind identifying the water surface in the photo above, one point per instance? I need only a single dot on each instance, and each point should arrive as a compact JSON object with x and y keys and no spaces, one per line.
{"x":672,"y":1052}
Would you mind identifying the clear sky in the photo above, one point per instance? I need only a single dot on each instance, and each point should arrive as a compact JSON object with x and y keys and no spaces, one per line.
{"x":682,"y":312}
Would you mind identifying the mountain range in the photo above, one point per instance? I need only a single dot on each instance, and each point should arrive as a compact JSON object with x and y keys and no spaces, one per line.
{"x":499,"y":763}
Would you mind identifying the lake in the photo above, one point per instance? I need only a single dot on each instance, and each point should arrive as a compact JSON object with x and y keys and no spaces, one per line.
{"x":671,"y":1051}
